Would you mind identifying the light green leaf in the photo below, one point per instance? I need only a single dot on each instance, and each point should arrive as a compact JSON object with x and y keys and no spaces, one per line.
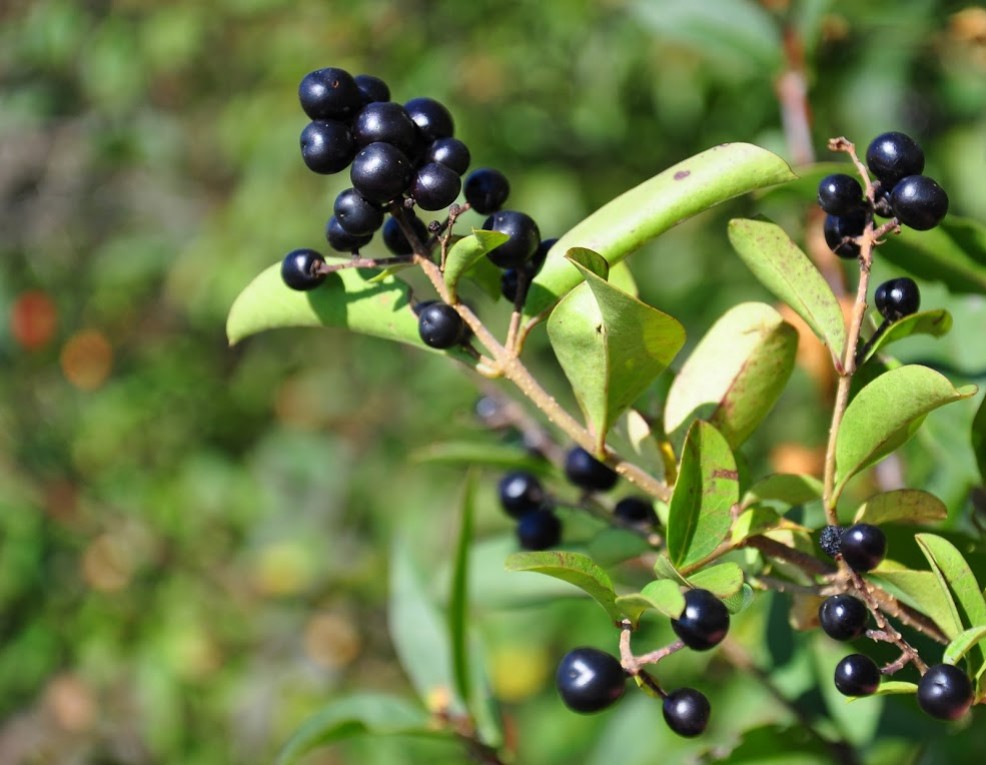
{"x":788,"y":273}
{"x":624,"y":224}
{"x":706,"y":490}
{"x":901,"y":506}
{"x":954,"y":252}
{"x":611,"y":347}
{"x":661,"y":595}
{"x":752,"y":521}
{"x":735,"y":374}
{"x":664,"y":569}
{"x":979,"y":439}
{"x":956,"y":576}
{"x":632,"y":437}
{"x":787,"y":488}
{"x":495,"y":455}
{"x":963,"y":643}
{"x":739,"y":600}
{"x":574,"y":568}
{"x":890,"y":688}
{"x":458,"y":605}
{"x":590,"y":261}
{"x":886,"y":413}
{"x":466,"y":252}
{"x":723,"y":580}
{"x":923,"y":591}
{"x":935,"y":323}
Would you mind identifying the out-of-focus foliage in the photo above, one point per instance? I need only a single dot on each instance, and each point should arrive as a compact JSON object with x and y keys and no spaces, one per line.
{"x":194,"y":541}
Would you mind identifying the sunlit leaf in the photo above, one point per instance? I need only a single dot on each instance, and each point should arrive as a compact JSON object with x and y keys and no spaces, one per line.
{"x":465,"y":252}
{"x":957,"y":577}
{"x":723,"y":579}
{"x":889,"y":688}
{"x":574,"y":568}
{"x":936,"y":323}
{"x":752,"y":521}
{"x":923,"y":591}
{"x":458,"y":605}
{"x":963,"y":643}
{"x":901,"y":506}
{"x":661,"y":595}
{"x":787,"y":488}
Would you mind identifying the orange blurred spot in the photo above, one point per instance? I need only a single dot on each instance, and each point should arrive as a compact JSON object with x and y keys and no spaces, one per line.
{"x":87,"y":358}
{"x":795,"y":458}
{"x":106,"y":564}
{"x":331,"y":640}
{"x":71,"y":703}
{"x":33,"y":319}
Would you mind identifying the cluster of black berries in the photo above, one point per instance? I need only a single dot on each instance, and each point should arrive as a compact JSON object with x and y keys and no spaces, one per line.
{"x":590,"y":680}
{"x":900,"y":191}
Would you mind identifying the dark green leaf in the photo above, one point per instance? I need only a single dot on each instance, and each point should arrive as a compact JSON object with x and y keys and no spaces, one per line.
{"x":979,"y":439}
{"x":963,"y":643}
{"x":458,"y":605}
{"x":466,"y":252}
{"x":495,"y":455}
{"x":934,"y":323}
{"x":775,"y":744}
{"x":901,"y":506}
{"x":574,"y":568}
{"x":953,"y":252}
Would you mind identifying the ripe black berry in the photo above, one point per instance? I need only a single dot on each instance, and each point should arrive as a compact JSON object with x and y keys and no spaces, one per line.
{"x":919,"y":202}
{"x":486,"y":190}
{"x":355,"y":214}
{"x":840,"y":194}
{"x":863,"y":547}
{"x":440,"y":326}
{"x":372,"y":88}
{"x":897,"y":298}
{"x":385,"y":121}
{"x":435,"y":186}
{"x":450,"y":152}
{"x":686,"y":711}
{"x":588,"y":473}
{"x":839,"y":231}
{"x":380,"y":172}
{"x":341,"y":240}
{"x":510,"y":282}
{"x":892,"y":156}
{"x":327,"y":146}
{"x":393,"y":234}
{"x":538,"y":530}
{"x":431,"y":117}
{"x":523,"y":242}
{"x":329,"y":93}
{"x":297,"y":269}
{"x":945,"y":692}
{"x":830,"y":540}
{"x":590,"y":680}
{"x":857,"y":675}
{"x":520,"y":493}
{"x":843,"y":617}
{"x":704,"y":622}
{"x":635,"y":510}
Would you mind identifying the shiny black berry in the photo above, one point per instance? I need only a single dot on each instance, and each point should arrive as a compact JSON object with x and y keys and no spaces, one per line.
{"x":435,"y":186}
{"x":830,"y":540}
{"x":843,"y":617}
{"x":863,"y":547}
{"x":523,"y":242}
{"x":839,"y":231}
{"x":840,"y":194}
{"x":897,"y":298}
{"x":298,"y":269}
{"x":892,"y":156}
{"x":486,"y":190}
{"x":919,"y":202}
{"x":329,"y":93}
{"x":704,"y":622}
{"x":440,"y":326}
{"x":857,"y":675}
{"x":327,"y":146}
{"x":341,"y":240}
{"x":380,"y":172}
{"x":635,"y":511}
{"x":385,"y":121}
{"x":510,"y":282}
{"x":431,"y":117}
{"x":538,"y":530}
{"x":686,"y":711}
{"x":372,"y":88}
{"x":355,"y":214}
{"x":450,"y":152}
{"x":588,"y":473}
{"x":520,"y":493}
{"x":589,"y":680}
{"x":945,"y":692}
{"x":394,"y":238}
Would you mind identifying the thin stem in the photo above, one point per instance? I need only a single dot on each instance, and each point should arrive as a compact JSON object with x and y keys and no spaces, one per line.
{"x":329,"y":268}
{"x":886,"y":630}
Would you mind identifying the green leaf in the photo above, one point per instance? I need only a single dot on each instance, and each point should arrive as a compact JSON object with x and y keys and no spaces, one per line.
{"x":706,"y":490}
{"x":664,"y":569}
{"x":590,"y":261}
{"x":723,"y":580}
{"x":458,"y":605}
{"x":466,"y":453}
{"x":787,"y":488}
{"x":739,"y":600}
{"x":935,"y":323}
{"x":921,"y":590}
{"x":632,"y":437}
{"x":954,"y":252}
{"x":661,"y":595}
{"x":753,"y":521}
{"x":624,"y":224}
{"x":956,"y":576}
{"x":979,"y":439}
{"x":611,"y":347}
{"x":466,"y":252}
{"x":788,"y":273}
{"x":963,"y":643}
{"x":901,"y":506}
{"x":613,"y":545}
{"x":890,"y":688}
{"x":735,"y":374}
{"x":574,"y":568}
{"x":886,"y":413}
{"x":366,"y":713}
{"x":782,"y":745}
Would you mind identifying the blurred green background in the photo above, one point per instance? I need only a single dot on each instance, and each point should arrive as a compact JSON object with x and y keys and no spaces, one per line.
{"x":194,"y":539}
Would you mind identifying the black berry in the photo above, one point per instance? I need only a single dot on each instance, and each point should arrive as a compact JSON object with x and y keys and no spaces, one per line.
{"x":435,"y":186}
{"x":327,"y":146}
{"x":538,"y":530}
{"x":394,"y":238}
{"x":440,"y":326}
{"x":686,"y":711}
{"x":520,"y":493}
{"x":431,"y":117}
{"x":892,"y":156}
{"x":298,"y":269}
{"x":450,"y":152}
{"x":830,"y":540}
{"x":372,"y":88}
{"x":341,"y":240}
{"x":839,"y":231}
{"x":840,"y":194}
{"x":329,"y":93}
{"x":380,"y":172}
{"x":704,"y":622}
{"x":588,"y":473}
{"x":857,"y":675}
{"x":486,"y":190}
{"x":863,"y":547}
{"x":523,"y":242}
{"x":510,"y":282}
{"x":385,"y":121}
{"x":589,"y":680}
{"x":843,"y":617}
{"x":355,"y":214}
{"x":919,"y":202}
{"x":897,"y":298}
{"x":945,"y":692}
{"x":636,"y":510}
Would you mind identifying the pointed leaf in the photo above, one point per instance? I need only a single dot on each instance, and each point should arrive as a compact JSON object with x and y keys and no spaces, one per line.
{"x":922,"y":590}
{"x":788,"y":488}
{"x":886,"y":413}
{"x":624,"y":224}
{"x":954,"y":572}
{"x":707,"y":489}
{"x":954,"y":252}
{"x":466,"y":252}
{"x":935,"y":323}
{"x":611,"y":347}
{"x":788,"y":273}
{"x":661,"y":595}
{"x":574,"y":568}
{"x":723,"y":580}
{"x":979,"y":439}
{"x":735,"y":374}
{"x":963,"y":643}
{"x":901,"y":506}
